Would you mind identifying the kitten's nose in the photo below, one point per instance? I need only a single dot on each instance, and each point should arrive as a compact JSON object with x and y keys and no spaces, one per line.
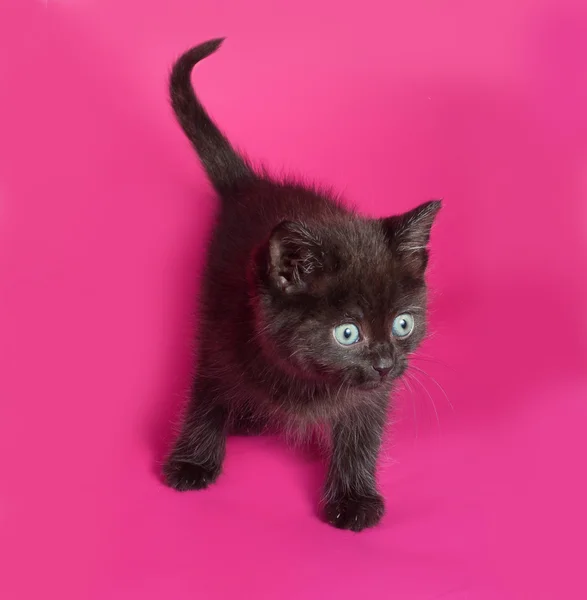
{"x":383,"y":367}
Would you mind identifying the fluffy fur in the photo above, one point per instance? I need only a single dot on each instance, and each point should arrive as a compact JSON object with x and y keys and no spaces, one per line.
{"x":287,"y":264}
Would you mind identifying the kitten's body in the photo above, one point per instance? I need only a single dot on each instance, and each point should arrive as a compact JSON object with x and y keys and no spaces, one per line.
{"x":286,"y":265}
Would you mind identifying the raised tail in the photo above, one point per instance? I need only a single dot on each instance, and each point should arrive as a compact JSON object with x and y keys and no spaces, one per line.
{"x":224,"y":166}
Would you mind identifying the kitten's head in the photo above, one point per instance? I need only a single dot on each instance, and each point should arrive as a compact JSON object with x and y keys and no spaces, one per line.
{"x":344,"y":301}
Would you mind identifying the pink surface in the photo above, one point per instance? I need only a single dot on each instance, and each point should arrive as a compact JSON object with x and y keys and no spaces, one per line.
{"x":103,"y":216}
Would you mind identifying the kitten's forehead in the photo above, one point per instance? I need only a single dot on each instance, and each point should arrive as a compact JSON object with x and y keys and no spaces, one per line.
{"x":371,"y":276}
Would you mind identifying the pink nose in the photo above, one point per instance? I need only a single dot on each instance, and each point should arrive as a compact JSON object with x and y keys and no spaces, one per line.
{"x":383,"y":368}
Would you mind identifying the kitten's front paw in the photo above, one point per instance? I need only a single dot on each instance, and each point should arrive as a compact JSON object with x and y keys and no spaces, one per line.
{"x":355,"y":512}
{"x":183,"y":476}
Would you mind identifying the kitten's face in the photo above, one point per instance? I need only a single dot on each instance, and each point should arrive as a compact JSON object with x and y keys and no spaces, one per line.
{"x":346,"y":303}
{"x":359,"y":337}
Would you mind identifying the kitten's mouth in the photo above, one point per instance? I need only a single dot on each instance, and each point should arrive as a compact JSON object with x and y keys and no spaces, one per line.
{"x":363,"y":383}
{"x":360,"y":380}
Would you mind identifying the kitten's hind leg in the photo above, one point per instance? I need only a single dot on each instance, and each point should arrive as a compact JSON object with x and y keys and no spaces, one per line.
{"x":196,"y":459}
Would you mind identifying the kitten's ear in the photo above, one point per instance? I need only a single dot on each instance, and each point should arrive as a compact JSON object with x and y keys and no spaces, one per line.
{"x":409,"y":234}
{"x":296,"y":257}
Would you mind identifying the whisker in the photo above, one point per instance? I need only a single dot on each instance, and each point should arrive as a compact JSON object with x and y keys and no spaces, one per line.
{"x":437,"y":385}
{"x":409,"y":387}
{"x":431,"y":359}
{"x":429,"y":396}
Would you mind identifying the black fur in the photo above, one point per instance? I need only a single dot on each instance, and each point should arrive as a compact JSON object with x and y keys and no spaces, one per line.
{"x":287,"y":264}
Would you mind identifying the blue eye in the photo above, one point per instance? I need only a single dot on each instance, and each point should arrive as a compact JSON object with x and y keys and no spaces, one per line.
{"x":347,"y":334}
{"x":403,"y":325}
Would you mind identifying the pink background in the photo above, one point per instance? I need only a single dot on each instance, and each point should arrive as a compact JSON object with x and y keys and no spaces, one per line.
{"x":103,"y":215}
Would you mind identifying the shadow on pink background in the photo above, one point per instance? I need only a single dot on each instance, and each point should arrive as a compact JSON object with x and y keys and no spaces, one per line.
{"x":104,"y":214}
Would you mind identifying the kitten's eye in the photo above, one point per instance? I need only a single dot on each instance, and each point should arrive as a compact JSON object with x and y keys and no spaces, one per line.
{"x":347,"y":334}
{"x":403,"y":325}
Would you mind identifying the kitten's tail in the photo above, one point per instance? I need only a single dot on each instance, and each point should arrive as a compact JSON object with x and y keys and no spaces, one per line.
{"x":224,"y":166}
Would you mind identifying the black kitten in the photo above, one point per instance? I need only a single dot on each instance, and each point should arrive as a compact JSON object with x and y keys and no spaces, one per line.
{"x":308,"y":314}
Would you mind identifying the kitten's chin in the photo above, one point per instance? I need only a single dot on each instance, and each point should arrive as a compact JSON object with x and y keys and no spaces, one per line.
{"x":371,"y":385}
